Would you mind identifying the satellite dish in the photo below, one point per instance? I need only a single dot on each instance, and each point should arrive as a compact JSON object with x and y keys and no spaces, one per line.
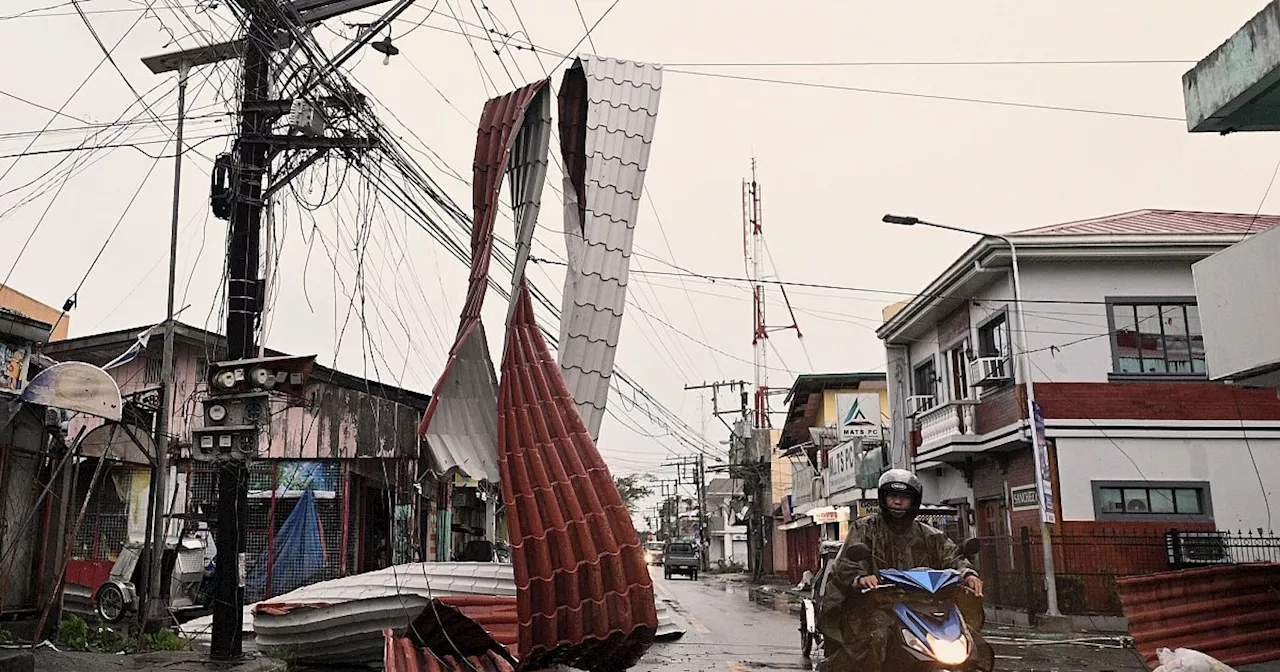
{"x":76,"y":386}
{"x":109,"y":441}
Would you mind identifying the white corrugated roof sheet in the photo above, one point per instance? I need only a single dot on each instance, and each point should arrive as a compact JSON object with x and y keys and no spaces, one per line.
{"x":463,"y":432}
{"x":622,"y":106}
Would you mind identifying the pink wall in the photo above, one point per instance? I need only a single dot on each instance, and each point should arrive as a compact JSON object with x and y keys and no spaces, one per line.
{"x":333,"y":422}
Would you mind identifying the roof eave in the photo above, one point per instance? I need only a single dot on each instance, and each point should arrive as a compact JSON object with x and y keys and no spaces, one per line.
{"x":957,"y":271}
{"x":1049,"y":245}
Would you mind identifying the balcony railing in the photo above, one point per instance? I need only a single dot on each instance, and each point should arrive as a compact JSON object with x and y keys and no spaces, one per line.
{"x":956,"y":418}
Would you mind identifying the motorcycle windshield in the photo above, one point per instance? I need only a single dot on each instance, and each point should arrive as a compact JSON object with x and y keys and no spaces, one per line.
{"x":928,"y":580}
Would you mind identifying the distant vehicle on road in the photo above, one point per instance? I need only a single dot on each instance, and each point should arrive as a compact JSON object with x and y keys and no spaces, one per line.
{"x":680,"y":557}
{"x":653,"y":552}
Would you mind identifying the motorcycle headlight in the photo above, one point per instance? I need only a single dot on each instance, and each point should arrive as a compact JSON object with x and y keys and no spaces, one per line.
{"x":949,"y":652}
{"x":915,"y":644}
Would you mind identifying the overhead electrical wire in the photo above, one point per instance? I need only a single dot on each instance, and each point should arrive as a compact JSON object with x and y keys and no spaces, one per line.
{"x":925,"y":96}
{"x":59,"y":112}
{"x":79,"y":163}
{"x":854,"y":64}
{"x":674,"y":68}
{"x":583,"y":17}
{"x":452,"y":243}
{"x":713,"y":278}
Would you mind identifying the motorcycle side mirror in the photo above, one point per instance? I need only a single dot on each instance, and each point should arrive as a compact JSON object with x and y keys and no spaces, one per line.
{"x":970,"y":547}
{"x":859,"y":552}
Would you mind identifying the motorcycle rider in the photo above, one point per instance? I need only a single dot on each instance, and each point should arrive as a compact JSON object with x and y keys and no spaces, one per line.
{"x":856,"y":635}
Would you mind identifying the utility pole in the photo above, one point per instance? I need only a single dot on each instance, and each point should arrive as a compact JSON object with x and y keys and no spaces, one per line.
{"x":156,"y":605}
{"x":697,"y":463}
{"x":756,"y":456}
{"x":239,"y":196}
{"x":702,"y":512}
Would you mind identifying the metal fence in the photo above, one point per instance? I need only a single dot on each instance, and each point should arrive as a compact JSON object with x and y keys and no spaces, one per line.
{"x":273,"y":497}
{"x":1086,"y":565}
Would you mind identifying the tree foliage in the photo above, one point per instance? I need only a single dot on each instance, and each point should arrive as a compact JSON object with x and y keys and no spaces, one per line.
{"x":632,"y":488}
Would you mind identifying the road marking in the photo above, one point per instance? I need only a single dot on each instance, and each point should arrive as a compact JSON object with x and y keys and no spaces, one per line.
{"x":697,"y":625}
{"x":737,"y":666}
{"x":666,"y":594}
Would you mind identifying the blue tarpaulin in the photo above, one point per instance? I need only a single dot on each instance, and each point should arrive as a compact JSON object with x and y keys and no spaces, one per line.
{"x":298,"y":550}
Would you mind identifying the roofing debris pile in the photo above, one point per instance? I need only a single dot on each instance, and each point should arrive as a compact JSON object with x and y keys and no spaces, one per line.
{"x":1228,"y":612}
{"x":583,"y":593}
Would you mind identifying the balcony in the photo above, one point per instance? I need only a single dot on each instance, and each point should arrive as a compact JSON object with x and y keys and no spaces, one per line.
{"x":940,"y":423}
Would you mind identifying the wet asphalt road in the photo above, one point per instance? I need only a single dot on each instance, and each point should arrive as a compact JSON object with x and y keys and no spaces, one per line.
{"x":725,"y":632}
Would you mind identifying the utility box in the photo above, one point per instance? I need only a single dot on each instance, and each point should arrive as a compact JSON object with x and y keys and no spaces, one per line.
{"x":306,"y":118}
{"x":234,"y":428}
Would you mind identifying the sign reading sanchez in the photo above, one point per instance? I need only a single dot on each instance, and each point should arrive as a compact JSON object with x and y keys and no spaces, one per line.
{"x":859,"y":417}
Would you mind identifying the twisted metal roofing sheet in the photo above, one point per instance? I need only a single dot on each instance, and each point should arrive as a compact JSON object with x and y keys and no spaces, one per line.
{"x":1228,"y":611}
{"x":459,"y":423}
{"x":584,"y":594}
{"x":1156,"y":222}
{"x":608,"y":110}
{"x":340,"y":621}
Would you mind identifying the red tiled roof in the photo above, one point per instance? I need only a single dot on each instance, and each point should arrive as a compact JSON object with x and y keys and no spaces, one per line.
{"x":1156,"y":222}
{"x":584,"y":594}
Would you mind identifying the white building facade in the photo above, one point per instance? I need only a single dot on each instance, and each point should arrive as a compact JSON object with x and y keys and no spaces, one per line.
{"x":1139,"y":436}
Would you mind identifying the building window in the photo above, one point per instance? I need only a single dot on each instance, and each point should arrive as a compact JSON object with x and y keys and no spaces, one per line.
{"x":1157,"y":338}
{"x":1152,"y":501}
{"x":958,"y":370}
{"x":924,"y":382}
{"x":155,"y":370}
{"x":994,"y":342}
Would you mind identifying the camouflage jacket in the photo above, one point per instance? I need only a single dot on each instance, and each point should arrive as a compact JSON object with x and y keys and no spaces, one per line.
{"x":918,"y":546}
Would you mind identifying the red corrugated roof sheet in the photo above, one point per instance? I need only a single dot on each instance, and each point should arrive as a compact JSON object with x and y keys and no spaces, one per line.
{"x":456,"y":632}
{"x":584,"y":594}
{"x":466,"y":437}
{"x":1229,"y":612}
{"x":1156,"y":222}
{"x":401,"y":654}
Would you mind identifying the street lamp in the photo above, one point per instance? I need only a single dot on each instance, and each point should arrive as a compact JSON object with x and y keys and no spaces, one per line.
{"x":1024,"y":370}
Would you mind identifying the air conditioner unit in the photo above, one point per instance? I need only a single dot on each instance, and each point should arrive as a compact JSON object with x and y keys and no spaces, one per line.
{"x":919,"y":404}
{"x":1196,"y":548}
{"x":990,"y":371}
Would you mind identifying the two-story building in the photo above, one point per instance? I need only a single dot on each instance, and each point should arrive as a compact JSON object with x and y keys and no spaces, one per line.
{"x":1117,"y":359}
{"x":1139,"y":439}
{"x":835,"y":439}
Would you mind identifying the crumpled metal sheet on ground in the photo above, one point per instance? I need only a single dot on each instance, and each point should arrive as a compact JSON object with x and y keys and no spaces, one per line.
{"x":584,"y":593}
{"x":608,"y":111}
{"x":340,"y":621}
{"x":1230,"y":612}
{"x":459,"y":423}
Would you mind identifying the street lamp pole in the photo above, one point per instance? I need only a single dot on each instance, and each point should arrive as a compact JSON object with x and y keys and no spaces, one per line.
{"x":1024,"y":370}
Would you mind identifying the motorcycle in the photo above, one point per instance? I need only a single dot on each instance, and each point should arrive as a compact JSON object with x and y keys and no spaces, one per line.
{"x":811,"y":606}
{"x":928,"y":608}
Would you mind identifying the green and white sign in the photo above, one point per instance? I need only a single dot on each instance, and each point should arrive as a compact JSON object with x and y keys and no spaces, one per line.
{"x":858,"y":417}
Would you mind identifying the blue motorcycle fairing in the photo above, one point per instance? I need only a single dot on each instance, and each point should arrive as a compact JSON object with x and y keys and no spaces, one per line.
{"x":948,"y":629}
{"x":928,"y":580}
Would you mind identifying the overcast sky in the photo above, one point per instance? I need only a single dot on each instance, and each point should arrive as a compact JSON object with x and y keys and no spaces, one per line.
{"x":832,"y":160}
